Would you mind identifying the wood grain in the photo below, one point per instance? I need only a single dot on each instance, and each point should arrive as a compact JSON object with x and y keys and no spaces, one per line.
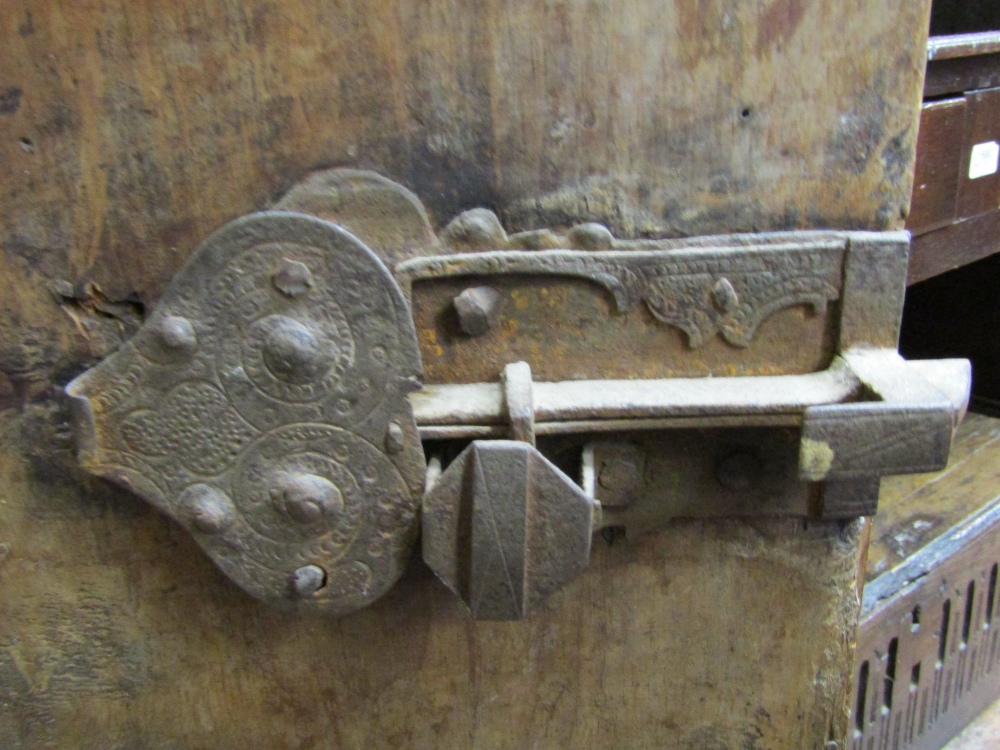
{"x":982,"y":194}
{"x":914,"y":510}
{"x":953,"y":246}
{"x":130,"y":130}
{"x":142,"y":126}
{"x":939,"y":156}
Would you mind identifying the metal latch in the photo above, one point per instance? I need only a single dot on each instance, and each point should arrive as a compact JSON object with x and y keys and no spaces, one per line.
{"x":571,"y":382}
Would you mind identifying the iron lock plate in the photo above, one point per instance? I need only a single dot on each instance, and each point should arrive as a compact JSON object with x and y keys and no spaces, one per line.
{"x":272,"y":403}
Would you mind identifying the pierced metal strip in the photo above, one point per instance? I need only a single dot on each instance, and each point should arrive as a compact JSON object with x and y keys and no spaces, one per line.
{"x":701,"y":290}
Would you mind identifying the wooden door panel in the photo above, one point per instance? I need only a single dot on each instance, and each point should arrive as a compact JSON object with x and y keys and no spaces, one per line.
{"x":130,"y":130}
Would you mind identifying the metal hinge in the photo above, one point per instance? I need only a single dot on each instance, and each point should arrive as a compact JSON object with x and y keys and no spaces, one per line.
{"x":572,"y":382}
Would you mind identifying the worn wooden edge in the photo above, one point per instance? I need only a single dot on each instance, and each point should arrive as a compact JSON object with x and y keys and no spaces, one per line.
{"x":881,"y":591}
{"x":915,"y":510}
{"x":927,"y":652}
{"x":954,"y":246}
{"x":939,"y":152}
{"x":959,"y":74}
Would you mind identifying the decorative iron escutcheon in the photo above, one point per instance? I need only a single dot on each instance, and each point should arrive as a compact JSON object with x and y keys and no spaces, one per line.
{"x":264,"y":407}
{"x":271,"y":404}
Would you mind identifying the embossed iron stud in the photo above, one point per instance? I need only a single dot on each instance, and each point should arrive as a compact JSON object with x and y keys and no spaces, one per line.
{"x":528,"y":533}
{"x":476,"y":229}
{"x":478,"y":310}
{"x":292,"y":278}
{"x":291,"y":349}
{"x":306,"y":498}
{"x":177,"y":334}
{"x":591,"y":236}
{"x":620,"y":474}
{"x":724,"y":295}
{"x":394,"y":438}
{"x":211,"y":511}
{"x":308,"y":579}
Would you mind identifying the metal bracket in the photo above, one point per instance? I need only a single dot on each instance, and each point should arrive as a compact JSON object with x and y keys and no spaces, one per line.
{"x":270,"y":403}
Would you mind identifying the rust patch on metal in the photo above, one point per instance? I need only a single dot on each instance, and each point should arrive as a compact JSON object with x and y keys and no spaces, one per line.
{"x":640,"y":310}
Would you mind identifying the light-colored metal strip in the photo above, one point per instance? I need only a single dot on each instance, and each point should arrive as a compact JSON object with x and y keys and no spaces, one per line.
{"x":479,"y":405}
{"x":963,"y":45}
{"x":478,"y":432}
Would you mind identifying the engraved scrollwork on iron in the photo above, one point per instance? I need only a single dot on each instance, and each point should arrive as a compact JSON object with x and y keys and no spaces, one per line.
{"x":322,"y":357}
{"x":254,"y":405}
{"x":605,"y":269}
{"x":297,"y":359}
{"x":307,"y":493}
{"x":733,"y":295}
{"x":701,"y":290}
{"x":195,"y":426}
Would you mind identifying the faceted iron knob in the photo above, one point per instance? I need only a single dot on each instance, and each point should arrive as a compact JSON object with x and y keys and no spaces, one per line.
{"x":478,"y":310}
{"x":530,"y":528}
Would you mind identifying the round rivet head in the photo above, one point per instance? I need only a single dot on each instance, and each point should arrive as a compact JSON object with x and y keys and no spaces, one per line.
{"x":291,"y":349}
{"x":476,"y":229}
{"x":305,"y":498}
{"x":210,"y":510}
{"x":621,"y":474}
{"x":724,"y":295}
{"x":308,"y":579}
{"x":177,"y":334}
{"x":394,"y":438}
{"x":292,"y":278}
{"x":591,"y":236}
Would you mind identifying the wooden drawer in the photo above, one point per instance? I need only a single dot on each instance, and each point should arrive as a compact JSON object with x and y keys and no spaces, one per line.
{"x":946,"y":186}
{"x":939,"y":153}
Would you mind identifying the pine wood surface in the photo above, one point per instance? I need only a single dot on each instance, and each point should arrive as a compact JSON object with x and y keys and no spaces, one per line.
{"x":914,"y":510}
